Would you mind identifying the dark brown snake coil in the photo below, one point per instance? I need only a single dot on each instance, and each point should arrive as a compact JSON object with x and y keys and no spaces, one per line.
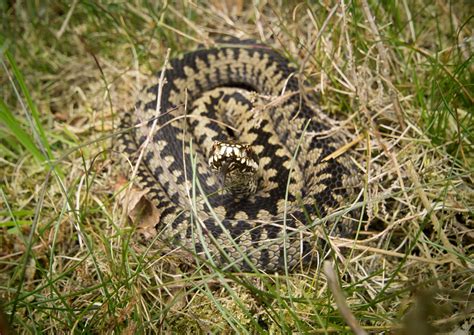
{"x":248,"y":94}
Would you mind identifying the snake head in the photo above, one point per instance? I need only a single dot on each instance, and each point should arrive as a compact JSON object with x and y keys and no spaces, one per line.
{"x":238,"y":165}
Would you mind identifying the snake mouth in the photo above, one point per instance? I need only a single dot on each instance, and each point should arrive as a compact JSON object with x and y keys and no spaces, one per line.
{"x":237,"y":163}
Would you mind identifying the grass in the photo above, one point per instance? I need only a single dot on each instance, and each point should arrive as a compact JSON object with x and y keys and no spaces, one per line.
{"x":399,"y":73}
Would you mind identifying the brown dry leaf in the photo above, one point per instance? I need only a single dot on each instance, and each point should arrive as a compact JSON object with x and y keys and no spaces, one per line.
{"x":141,"y":211}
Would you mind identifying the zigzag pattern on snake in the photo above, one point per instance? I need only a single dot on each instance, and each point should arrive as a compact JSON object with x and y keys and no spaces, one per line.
{"x":244,"y":93}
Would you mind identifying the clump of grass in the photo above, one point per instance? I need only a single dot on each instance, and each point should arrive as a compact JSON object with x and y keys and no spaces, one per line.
{"x":398,"y":75}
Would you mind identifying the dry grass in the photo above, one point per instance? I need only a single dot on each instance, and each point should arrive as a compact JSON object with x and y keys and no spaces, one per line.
{"x":398,"y":76}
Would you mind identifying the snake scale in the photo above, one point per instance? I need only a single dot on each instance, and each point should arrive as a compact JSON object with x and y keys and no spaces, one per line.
{"x":248,"y":96}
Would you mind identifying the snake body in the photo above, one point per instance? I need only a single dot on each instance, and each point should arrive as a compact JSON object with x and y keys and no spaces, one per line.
{"x":249,"y":94}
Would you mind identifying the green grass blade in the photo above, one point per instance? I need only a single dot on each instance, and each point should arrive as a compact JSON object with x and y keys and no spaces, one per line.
{"x":15,"y":127}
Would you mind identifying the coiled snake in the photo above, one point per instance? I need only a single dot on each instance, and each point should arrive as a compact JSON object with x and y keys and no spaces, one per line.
{"x":236,"y":106}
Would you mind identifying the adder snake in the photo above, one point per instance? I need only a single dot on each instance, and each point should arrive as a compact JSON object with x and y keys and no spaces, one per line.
{"x":248,"y":97}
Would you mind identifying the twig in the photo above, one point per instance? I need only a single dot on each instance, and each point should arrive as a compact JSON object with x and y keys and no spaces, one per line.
{"x":61,"y":31}
{"x":341,"y":300}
